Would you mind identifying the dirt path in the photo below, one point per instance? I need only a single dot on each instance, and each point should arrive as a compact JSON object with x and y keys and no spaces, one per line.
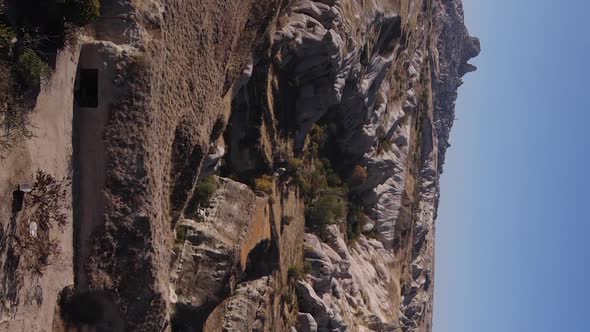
{"x":48,"y":150}
{"x":89,"y":167}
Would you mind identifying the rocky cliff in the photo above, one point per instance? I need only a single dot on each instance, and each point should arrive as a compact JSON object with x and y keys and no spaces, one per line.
{"x":235,"y":166}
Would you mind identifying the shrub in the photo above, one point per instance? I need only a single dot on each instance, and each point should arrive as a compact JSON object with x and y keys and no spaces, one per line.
{"x":82,"y":12}
{"x":30,"y":68}
{"x":6,"y":36}
{"x":384,"y":146}
{"x":205,"y":189}
{"x":181,"y":234}
{"x":49,"y":197}
{"x":318,"y":136}
{"x":333,"y":179}
{"x":43,"y":253}
{"x":300,"y":181}
{"x":317,"y":218}
{"x":48,"y":204}
{"x":14,"y":122}
{"x":264,"y":184}
{"x":288,"y":296}
{"x":356,"y":219}
{"x":325,"y":211}
{"x":312,"y":183}
{"x":307,"y":267}
{"x":358,"y":176}
{"x":294,"y":164}
{"x":5,"y":86}
{"x":294,"y":273}
{"x":353,"y":232}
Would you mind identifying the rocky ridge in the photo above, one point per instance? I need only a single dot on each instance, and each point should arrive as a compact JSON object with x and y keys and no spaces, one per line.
{"x":230,"y":91}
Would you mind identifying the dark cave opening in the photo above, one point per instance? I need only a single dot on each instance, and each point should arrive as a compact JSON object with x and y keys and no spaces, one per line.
{"x":18,"y":199}
{"x":86,"y":93}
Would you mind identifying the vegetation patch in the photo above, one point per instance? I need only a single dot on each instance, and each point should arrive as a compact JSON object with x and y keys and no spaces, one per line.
{"x":289,"y":298}
{"x":384,"y":145}
{"x":30,"y":69}
{"x":358,"y":176}
{"x":181,"y":232}
{"x":329,"y":208}
{"x":324,"y":192}
{"x":31,"y":33}
{"x":7,"y":36}
{"x":45,"y":208}
{"x":327,"y":198}
{"x":295,"y":273}
{"x":265,"y":183}
{"x":294,"y":164}
{"x":14,"y":117}
{"x":356,"y":220}
{"x":205,"y":190}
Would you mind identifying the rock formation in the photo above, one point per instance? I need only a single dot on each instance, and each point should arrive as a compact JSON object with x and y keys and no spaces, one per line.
{"x":222,"y":132}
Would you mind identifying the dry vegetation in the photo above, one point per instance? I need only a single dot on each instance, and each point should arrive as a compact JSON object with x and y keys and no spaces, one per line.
{"x":45,"y":206}
{"x":265,"y":184}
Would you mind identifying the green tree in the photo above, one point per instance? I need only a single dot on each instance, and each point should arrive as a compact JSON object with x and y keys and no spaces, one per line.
{"x":326,"y":210}
{"x":30,"y":69}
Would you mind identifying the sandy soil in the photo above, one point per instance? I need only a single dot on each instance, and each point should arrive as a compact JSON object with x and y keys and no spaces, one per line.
{"x":49,"y":150}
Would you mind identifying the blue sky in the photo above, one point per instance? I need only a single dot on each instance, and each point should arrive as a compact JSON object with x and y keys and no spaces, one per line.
{"x":513,"y":232}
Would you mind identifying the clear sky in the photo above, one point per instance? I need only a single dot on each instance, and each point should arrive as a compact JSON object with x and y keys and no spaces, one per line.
{"x":513,"y":230}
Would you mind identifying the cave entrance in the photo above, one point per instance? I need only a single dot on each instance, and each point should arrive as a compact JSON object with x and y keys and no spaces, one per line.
{"x":87,"y":88}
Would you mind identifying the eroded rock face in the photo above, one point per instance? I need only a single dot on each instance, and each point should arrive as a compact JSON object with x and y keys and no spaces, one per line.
{"x":197,"y":88}
{"x":213,"y":249}
{"x":350,"y":287}
{"x":393,"y":95}
{"x":248,"y":309}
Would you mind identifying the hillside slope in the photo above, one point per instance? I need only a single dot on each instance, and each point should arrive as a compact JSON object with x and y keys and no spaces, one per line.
{"x":235,"y":166}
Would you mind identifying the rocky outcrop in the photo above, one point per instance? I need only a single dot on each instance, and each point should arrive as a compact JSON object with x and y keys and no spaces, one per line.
{"x":248,"y":309}
{"x":349,"y":288}
{"x":392,"y":92}
{"x":213,"y":249}
{"x":306,"y":323}
{"x":455,"y":47}
{"x":229,"y":259}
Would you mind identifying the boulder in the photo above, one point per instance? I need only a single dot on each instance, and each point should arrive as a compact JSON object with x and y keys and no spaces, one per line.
{"x":306,"y":323}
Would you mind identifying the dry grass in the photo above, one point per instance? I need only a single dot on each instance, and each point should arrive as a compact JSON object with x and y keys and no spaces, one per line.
{"x":6,"y":90}
{"x":265,"y":184}
{"x":14,"y":117}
